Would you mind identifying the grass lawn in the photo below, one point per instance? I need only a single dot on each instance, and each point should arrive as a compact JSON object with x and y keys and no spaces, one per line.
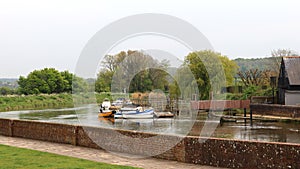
{"x":19,"y":158}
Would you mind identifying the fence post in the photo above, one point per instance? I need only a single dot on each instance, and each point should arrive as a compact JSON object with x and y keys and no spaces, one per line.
{"x":251,"y":117}
{"x":245,"y":111}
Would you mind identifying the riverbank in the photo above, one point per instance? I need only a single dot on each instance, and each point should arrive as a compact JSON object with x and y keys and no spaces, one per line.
{"x":21,"y":102}
{"x":45,"y":101}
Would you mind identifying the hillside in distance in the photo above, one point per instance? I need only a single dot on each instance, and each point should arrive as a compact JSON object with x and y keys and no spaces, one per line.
{"x":256,"y":63}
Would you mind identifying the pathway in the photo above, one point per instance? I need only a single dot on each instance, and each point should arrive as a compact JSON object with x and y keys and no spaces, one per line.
{"x":95,"y":154}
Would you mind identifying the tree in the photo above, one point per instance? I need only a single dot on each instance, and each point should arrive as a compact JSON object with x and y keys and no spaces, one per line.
{"x":103,"y":81}
{"x":79,"y":85}
{"x":255,"y":77}
{"x":48,"y":80}
{"x":251,"y":77}
{"x":230,"y":68}
{"x":67,"y":80}
{"x":210,"y":70}
{"x":134,"y":71}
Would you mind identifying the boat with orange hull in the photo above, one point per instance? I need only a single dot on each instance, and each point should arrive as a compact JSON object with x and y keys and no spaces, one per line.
{"x":106,"y":114}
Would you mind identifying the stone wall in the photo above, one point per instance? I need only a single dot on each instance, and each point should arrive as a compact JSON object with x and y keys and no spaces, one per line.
{"x":5,"y":127}
{"x":242,"y":154}
{"x":206,"y":151}
{"x":276,"y":110}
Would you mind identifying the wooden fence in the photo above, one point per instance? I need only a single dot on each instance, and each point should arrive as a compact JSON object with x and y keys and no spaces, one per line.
{"x":220,"y":104}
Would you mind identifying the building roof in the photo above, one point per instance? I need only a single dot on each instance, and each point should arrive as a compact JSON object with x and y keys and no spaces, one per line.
{"x":292,"y":67}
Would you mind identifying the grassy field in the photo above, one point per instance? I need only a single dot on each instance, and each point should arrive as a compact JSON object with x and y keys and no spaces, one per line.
{"x":19,"y":158}
{"x":16,"y":102}
{"x":43,"y":101}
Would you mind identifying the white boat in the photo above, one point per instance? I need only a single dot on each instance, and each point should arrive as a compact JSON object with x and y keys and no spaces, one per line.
{"x":118,"y":115}
{"x":134,"y":110}
{"x":118,"y":103}
{"x":139,"y":114}
{"x":135,"y":113}
{"x":126,"y":109}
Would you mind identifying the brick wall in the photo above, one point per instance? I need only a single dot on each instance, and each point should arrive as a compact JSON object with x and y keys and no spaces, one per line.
{"x":60,"y":133}
{"x":276,"y":110}
{"x":242,"y":154}
{"x":211,"y":151}
{"x":5,"y":127}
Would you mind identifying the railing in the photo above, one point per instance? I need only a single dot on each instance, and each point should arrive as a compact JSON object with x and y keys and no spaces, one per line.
{"x":220,"y":104}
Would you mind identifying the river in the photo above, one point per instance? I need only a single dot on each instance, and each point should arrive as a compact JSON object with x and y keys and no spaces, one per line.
{"x":259,"y":131}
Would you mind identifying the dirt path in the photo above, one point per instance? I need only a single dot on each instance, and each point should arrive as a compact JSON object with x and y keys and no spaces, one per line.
{"x":95,"y":154}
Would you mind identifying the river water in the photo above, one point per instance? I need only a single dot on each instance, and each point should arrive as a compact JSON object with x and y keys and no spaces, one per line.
{"x":88,"y":116}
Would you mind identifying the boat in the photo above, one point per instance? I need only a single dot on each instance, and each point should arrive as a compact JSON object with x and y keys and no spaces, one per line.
{"x":113,"y":107}
{"x":134,"y":110}
{"x":106,"y":104}
{"x":107,"y":113}
{"x":128,"y":109}
{"x":134,"y":113}
{"x":139,"y":114}
{"x":118,"y":115}
{"x":118,"y":102}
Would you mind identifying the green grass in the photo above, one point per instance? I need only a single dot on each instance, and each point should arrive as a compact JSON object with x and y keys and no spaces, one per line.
{"x":19,"y":158}
{"x":44,"y":101}
{"x":17,"y":102}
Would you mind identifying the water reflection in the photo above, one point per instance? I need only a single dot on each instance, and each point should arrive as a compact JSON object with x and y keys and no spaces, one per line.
{"x":260,"y":131}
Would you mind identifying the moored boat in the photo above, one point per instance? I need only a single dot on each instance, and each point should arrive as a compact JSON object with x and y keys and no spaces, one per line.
{"x":106,"y":104}
{"x":139,"y":114}
{"x":108,"y":113}
{"x":118,"y":115}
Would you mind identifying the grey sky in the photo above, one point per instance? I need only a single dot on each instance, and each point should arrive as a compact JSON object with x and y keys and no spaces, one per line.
{"x":51,"y":33}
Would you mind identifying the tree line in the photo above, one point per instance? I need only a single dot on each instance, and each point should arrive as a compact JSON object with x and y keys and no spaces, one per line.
{"x":47,"y":81}
{"x":135,"y":71}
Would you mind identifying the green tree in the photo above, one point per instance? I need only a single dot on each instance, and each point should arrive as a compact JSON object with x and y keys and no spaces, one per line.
{"x":79,"y":85}
{"x":48,"y":80}
{"x":250,"y":91}
{"x":131,"y":69}
{"x":210,"y":70}
{"x":103,"y":81}
{"x":67,"y":81}
{"x":230,"y":68}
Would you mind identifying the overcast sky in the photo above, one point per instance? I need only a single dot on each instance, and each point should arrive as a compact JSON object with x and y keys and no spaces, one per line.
{"x":51,"y":33}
